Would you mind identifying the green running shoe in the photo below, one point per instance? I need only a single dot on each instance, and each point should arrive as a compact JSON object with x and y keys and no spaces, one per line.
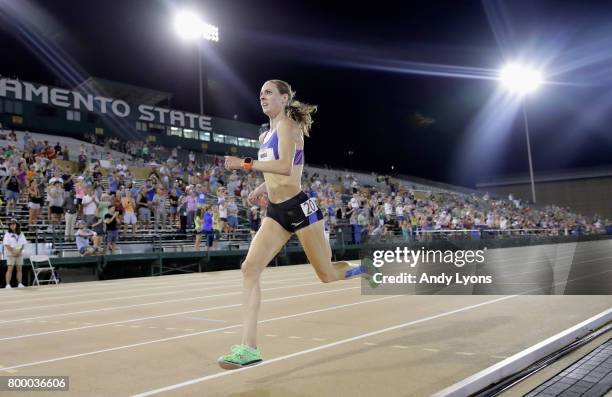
{"x":371,"y":270}
{"x":241,"y":356}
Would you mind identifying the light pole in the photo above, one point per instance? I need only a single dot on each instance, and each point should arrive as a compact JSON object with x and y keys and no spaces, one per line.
{"x":190,"y":26}
{"x":521,"y":80}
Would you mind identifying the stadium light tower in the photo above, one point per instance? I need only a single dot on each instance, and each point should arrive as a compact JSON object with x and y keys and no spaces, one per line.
{"x":190,"y":26}
{"x":521,"y":80}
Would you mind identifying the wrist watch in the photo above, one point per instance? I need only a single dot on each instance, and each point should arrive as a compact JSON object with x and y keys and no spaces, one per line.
{"x":248,"y":163}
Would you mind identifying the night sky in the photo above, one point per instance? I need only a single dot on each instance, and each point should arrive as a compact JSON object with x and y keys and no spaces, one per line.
{"x":363,"y":65}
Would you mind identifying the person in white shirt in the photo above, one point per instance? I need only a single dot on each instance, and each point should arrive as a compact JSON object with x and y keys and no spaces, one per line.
{"x":388,"y":209}
{"x":122,"y":167}
{"x":14,"y":243}
{"x":399,"y":212}
{"x":90,"y":205}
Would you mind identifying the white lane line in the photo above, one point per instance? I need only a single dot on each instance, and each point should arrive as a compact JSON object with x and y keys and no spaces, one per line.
{"x":427,"y":349}
{"x":465,"y":353}
{"x":152,"y":281}
{"x":228,"y":281}
{"x":170,"y":329}
{"x":150,"y":342}
{"x":295,"y":337}
{"x":318,"y":339}
{"x":216,"y":286}
{"x":10,"y":371}
{"x":157,"y":283}
{"x":189,"y":329}
{"x":134,"y":326}
{"x":271,"y":335}
{"x":318,"y":348}
{"x":205,"y":319}
{"x":151,"y":303}
{"x":370,"y":344}
{"x":401,"y":347}
{"x":229,"y":332}
{"x":173,"y":314}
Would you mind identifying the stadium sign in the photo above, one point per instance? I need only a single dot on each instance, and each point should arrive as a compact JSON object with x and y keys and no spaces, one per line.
{"x":25,"y":91}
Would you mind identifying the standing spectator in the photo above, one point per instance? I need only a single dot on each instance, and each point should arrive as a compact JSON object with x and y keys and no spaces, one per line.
{"x":111,"y":219}
{"x":98,"y":226}
{"x":232,"y":216}
{"x":129,"y":217}
{"x":12,"y":192}
{"x":65,"y":153}
{"x":82,"y":161}
{"x":192,"y":204}
{"x":14,"y":242}
{"x":70,"y":215}
{"x":122,"y":167}
{"x":207,"y":226}
{"x":174,"y":201}
{"x":113,"y":182}
{"x":159,"y":208}
{"x":105,"y":203}
{"x":26,"y":138}
{"x":36,"y":200}
{"x":254,"y":220}
{"x":133,"y":190}
{"x":116,"y":202}
{"x":56,"y":202}
{"x":201,"y":196}
{"x":144,"y":210}
{"x":197,"y":221}
{"x":90,"y":205}
{"x":182,"y":209}
{"x":68,"y":180}
{"x":223,"y":217}
{"x":81,"y":190}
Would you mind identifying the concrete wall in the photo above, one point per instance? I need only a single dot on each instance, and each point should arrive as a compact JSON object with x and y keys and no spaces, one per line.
{"x":587,"y":196}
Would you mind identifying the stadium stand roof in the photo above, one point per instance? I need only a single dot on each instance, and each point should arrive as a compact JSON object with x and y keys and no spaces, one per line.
{"x":549,"y":176}
{"x":127,"y":92}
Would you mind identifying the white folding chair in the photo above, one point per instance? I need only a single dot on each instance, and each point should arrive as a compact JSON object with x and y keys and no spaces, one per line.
{"x":40,"y":264}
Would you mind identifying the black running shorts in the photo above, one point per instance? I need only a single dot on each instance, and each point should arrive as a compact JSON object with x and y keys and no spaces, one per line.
{"x":295,"y":213}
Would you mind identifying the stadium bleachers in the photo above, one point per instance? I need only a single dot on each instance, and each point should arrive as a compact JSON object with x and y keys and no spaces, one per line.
{"x":427,"y":210}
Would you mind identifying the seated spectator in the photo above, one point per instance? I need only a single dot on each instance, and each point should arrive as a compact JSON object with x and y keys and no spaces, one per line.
{"x":83,"y":236}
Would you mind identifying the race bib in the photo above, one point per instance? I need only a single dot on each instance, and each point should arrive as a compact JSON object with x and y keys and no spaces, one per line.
{"x":265,"y":154}
{"x":309,"y":207}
